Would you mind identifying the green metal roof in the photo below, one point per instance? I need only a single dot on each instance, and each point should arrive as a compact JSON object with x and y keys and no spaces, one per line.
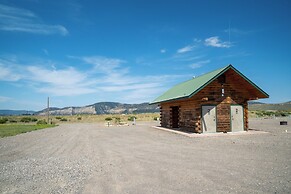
{"x":189,"y":88}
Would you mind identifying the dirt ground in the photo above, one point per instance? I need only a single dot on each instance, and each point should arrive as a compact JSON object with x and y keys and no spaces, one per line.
{"x":92,"y":158}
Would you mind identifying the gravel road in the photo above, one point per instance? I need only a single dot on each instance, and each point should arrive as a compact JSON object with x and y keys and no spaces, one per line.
{"x":91,"y":158}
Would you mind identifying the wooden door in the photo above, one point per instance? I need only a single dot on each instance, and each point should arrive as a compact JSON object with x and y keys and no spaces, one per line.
{"x":209,"y":119}
{"x":175,"y":117}
{"x":237,"y":122}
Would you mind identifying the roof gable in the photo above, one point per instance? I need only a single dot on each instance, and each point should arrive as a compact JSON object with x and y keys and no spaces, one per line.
{"x":189,"y":88}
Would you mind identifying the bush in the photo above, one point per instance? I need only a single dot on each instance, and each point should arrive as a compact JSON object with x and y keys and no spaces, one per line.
{"x":79,"y":118}
{"x":108,"y":119}
{"x":281,"y":114}
{"x":33,"y":119}
{"x":41,"y":122}
{"x":117,"y":119}
{"x":131,"y":118}
{"x":25,"y":119}
{"x":12,"y":121}
{"x":156,"y":118}
{"x":3,"y":120}
{"x":59,"y":118}
{"x":63,"y":119}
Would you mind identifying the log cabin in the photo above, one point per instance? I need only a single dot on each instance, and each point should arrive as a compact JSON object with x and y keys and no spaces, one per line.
{"x":214,"y":102}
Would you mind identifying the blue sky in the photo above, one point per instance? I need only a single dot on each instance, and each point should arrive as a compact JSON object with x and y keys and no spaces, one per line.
{"x":83,"y":52}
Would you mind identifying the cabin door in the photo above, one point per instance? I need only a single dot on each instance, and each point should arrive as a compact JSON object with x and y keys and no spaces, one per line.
{"x":209,"y":119}
{"x":237,"y":121}
{"x":175,"y":117}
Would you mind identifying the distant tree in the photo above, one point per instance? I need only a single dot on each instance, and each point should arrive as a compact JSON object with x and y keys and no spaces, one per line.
{"x":108,"y":119}
{"x":33,"y":119}
{"x":131,"y":118}
{"x":13,"y":121}
{"x":3,"y":120}
{"x":25,"y":119}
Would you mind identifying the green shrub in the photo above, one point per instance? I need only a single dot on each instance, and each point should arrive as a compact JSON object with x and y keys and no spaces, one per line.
{"x":79,"y":118}
{"x":41,"y":122}
{"x":12,"y":121}
{"x":281,"y":113}
{"x":117,"y":119}
{"x":59,"y":118}
{"x":131,"y":118}
{"x":108,"y":119}
{"x":3,"y":120}
{"x":33,"y":119}
{"x":63,"y":119}
{"x":25,"y":119}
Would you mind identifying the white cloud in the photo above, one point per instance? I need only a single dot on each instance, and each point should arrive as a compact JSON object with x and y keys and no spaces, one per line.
{"x":100,"y":76}
{"x":199,"y":64}
{"x":103,"y":64}
{"x":17,"y":19}
{"x":4,"y":99}
{"x":64,"y":82}
{"x":62,"y":77}
{"x":185,"y":49}
{"x":216,"y":42}
{"x":7,"y":73}
{"x":163,"y":50}
{"x":73,"y":90}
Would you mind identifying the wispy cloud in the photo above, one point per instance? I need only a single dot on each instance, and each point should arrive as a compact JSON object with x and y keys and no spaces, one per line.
{"x":237,"y":31}
{"x":185,"y":49}
{"x":100,"y":75}
{"x":45,"y":51}
{"x":63,"y":82}
{"x":216,"y":42}
{"x":103,"y":64}
{"x":18,"y":19}
{"x":163,"y":50}
{"x":199,"y":64}
{"x":4,"y":99}
{"x":7,"y":71}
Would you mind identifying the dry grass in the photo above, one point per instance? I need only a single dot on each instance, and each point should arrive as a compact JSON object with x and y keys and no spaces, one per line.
{"x":56,"y":119}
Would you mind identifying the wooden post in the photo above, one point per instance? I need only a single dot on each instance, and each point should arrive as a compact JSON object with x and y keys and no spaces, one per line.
{"x":48,"y":110}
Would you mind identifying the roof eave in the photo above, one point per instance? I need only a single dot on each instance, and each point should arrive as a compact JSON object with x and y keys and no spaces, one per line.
{"x":168,"y":100}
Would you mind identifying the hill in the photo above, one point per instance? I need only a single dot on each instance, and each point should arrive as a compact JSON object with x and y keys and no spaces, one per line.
{"x":270,"y":107}
{"x":16,"y":112}
{"x":103,"y":108}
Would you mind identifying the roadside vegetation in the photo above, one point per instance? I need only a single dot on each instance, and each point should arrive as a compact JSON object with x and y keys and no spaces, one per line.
{"x":14,"y":129}
{"x":57,"y":119}
{"x":13,"y":125}
{"x":269,"y":114}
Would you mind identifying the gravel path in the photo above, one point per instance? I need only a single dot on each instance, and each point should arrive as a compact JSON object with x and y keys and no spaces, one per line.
{"x":91,"y":158}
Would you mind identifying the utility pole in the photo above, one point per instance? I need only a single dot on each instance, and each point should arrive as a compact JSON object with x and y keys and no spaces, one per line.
{"x":48,"y":110}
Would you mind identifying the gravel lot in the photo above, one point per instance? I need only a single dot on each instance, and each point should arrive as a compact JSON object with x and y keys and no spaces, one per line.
{"x":91,"y":158}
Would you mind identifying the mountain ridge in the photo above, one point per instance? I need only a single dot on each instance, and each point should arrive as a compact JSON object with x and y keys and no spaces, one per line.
{"x":103,"y":108}
{"x":124,"y":108}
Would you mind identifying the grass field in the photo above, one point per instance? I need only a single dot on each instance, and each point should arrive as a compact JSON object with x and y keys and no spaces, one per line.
{"x":14,"y":129}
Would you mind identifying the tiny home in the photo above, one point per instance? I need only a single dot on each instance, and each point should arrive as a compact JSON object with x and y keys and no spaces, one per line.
{"x":213,"y":102}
